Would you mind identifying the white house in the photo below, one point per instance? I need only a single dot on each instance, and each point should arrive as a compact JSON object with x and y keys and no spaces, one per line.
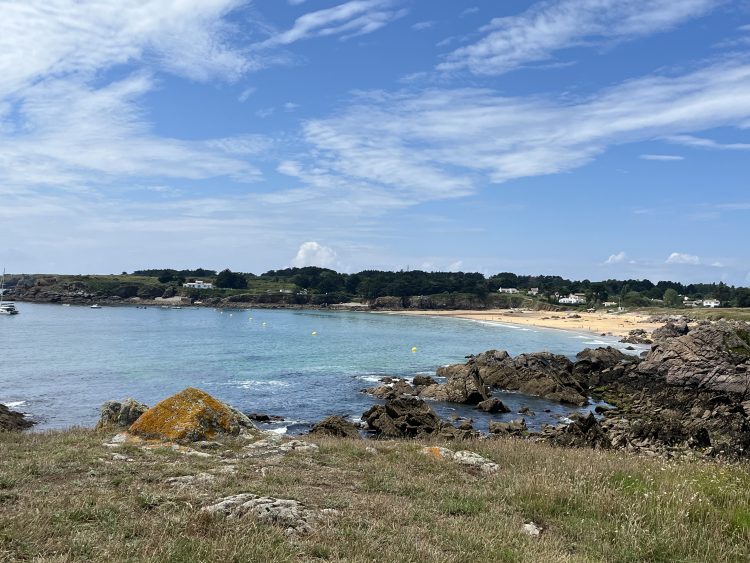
{"x":198,"y":284}
{"x":573,"y":299}
{"x":711,"y":303}
{"x":610,"y":303}
{"x":533,"y":291}
{"x":507,"y":290}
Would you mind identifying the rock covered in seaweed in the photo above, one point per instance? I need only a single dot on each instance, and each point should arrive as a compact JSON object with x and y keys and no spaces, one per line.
{"x":189,"y":416}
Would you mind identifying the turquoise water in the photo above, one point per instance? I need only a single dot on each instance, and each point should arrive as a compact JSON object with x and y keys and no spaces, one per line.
{"x":60,"y":363}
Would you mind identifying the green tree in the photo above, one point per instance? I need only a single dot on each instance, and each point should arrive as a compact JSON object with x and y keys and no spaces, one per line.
{"x":228,"y":279}
{"x":672,"y":298}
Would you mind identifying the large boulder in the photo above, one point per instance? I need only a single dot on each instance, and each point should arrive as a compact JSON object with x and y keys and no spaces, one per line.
{"x":403,"y":417}
{"x":11,"y":421}
{"x":116,"y":414}
{"x":336,"y":426}
{"x":711,"y":357}
{"x":464,"y":386}
{"x":189,"y":416}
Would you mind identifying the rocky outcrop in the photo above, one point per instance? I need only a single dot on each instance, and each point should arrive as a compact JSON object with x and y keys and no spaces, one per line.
{"x":584,"y":431}
{"x":189,"y":416}
{"x":403,"y":417}
{"x":290,"y":515}
{"x":711,"y":357}
{"x":597,"y":366}
{"x":391,"y":388}
{"x":670,"y":330}
{"x":118,"y":415}
{"x":637,"y":336}
{"x":336,"y":426}
{"x":541,"y":374}
{"x":463,"y":386}
{"x":12,"y":421}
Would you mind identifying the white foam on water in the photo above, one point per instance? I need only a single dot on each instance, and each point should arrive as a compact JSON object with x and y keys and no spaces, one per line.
{"x":282,"y":430}
{"x":370,"y":378}
{"x":566,"y":420}
{"x":596,"y":343}
{"x":14,"y":404}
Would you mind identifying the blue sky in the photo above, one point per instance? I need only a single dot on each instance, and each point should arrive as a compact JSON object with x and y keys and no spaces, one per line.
{"x":586,"y":138}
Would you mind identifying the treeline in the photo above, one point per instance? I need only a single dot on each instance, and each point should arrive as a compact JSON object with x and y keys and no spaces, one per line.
{"x":371,"y":284}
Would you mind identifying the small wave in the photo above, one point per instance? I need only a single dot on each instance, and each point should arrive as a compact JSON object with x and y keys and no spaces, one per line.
{"x":370,"y":378}
{"x":248,"y":383}
{"x":15,"y":404}
{"x":566,"y":420}
{"x":281,"y":430}
{"x":596,"y":342}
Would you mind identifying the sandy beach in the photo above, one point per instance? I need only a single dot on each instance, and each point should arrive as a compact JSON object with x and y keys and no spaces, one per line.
{"x":615,"y":324}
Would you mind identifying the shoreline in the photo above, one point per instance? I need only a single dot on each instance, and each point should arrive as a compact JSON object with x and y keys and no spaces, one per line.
{"x":599,"y":324}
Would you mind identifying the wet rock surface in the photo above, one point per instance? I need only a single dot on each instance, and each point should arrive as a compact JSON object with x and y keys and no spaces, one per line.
{"x":12,"y":421}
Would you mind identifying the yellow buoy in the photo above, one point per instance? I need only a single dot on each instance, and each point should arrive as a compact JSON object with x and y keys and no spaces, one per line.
{"x":314,"y":333}
{"x":413,"y":348}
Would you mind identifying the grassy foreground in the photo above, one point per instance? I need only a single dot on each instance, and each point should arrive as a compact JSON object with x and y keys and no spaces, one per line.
{"x":64,"y":496}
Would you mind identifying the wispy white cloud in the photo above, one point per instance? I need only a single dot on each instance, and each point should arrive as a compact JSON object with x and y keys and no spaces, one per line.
{"x":438,"y":143}
{"x":618,"y":258}
{"x":698,"y":142}
{"x":350,"y":19}
{"x":246,"y":93}
{"x":681,"y":258}
{"x":469,"y":11}
{"x":421,"y":26}
{"x":546,"y":27}
{"x":662,"y":157}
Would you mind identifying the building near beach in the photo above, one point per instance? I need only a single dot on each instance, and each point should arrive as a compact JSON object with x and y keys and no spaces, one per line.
{"x":713,"y":303}
{"x":507,"y":290}
{"x":573,"y":299}
{"x":198,"y":284}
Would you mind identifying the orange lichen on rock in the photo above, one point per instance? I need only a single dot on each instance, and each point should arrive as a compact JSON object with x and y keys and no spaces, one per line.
{"x":435,"y":452}
{"x":188,"y":416}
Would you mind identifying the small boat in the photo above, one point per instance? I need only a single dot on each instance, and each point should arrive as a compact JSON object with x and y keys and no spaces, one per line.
{"x":6,"y":307}
{"x":96,"y":306}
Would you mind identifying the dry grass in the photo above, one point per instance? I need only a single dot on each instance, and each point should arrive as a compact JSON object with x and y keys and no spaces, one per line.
{"x":63,"y":497}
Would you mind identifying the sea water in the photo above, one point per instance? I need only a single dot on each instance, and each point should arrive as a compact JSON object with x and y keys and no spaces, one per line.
{"x":59,"y":364}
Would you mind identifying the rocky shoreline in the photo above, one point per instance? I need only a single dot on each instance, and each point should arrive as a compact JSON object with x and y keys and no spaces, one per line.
{"x":688,"y":395}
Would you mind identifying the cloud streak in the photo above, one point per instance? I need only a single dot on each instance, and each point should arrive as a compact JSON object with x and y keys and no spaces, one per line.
{"x":547,"y":27}
{"x":441,"y":143}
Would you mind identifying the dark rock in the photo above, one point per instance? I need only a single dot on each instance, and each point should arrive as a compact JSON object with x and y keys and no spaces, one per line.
{"x":266,"y":418}
{"x":464,"y":386}
{"x":336,"y":426}
{"x":526,"y":410}
{"x":403,"y":417}
{"x":12,"y":421}
{"x":515,"y":428}
{"x":395,"y":388}
{"x":114,"y":414}
{"x":423,"y":381}
{"x":671,"y":330}
{"x":637,"y":336}
{"x":584,"y":431}
{"x":492,"y":406}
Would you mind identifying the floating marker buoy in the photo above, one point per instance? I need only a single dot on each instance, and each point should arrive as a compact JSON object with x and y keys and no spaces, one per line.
{"x":413,"y":348}
{"x":314,"y":333}
{"x":230,"y":314}
{"x":264,"y":323}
